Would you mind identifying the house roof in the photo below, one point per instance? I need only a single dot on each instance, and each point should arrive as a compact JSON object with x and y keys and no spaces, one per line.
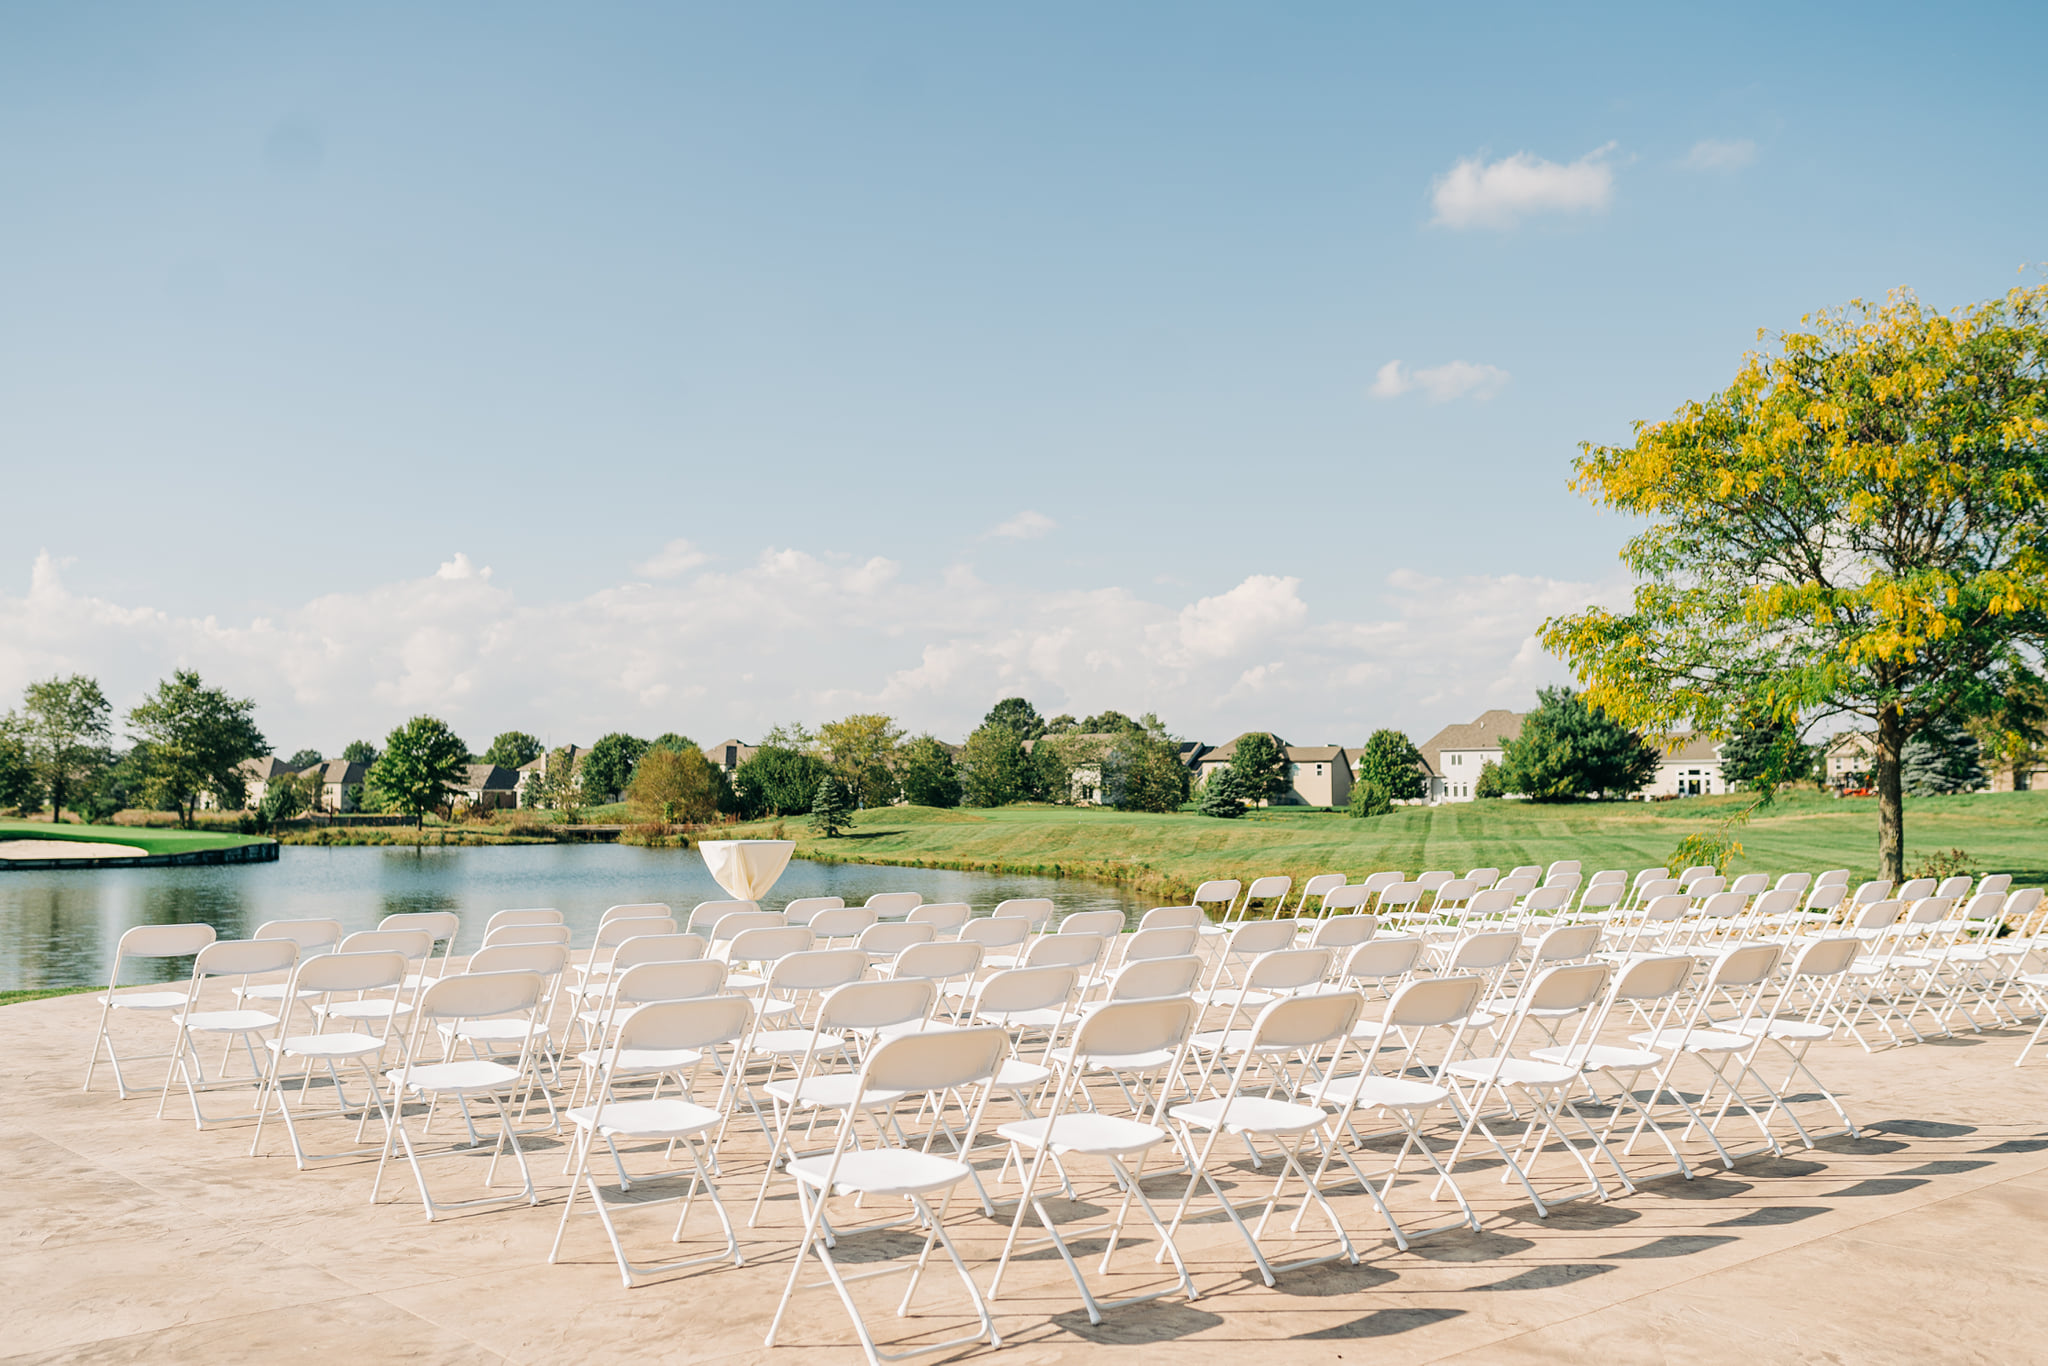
{"x":490,"y":778}
{"x":339,"y":771}
{"x":1222,"y":754}
{"x":1314,"y":754}
{"x":730,"y":753}
{"x":263,"y":769}
{"x":1853,"y":742}
{"x":1485,"y":733}
{"x":1689,"y":749}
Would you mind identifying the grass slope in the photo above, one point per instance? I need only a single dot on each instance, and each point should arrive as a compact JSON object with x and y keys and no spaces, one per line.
{"x":1168,"y":855}
{"x":150,"y":841}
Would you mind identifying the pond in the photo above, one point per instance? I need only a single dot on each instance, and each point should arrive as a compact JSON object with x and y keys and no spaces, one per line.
{"x":58,"y":928}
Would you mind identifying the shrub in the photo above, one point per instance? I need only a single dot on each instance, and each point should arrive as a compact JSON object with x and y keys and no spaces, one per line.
{"x":1368,"y":800}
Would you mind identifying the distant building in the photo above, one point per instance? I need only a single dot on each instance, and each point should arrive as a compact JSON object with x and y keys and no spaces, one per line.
{"x":538,"y":769}
{"x":1317,"y":775}
{"x":336,"y":781}
{"x":257,"y":775}
{"x":1690,"y":768}
{"x":1452,"y":758}
{"x":1851,"y":755}
{"x":730,"y":754}
{"x":489,"y":787}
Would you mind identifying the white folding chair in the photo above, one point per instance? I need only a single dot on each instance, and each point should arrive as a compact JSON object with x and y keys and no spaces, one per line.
{"x":1112,"y":1034}
{"x":660,"y":910}
{"x":1816,"y":974}
{"x":1217,"y":892}
{"x":312,"y":937}
{"x":443,"y":926}
{"x":540,"y":915}
{"x":945,"y":917}
{"x":882,"y":942}
{"x":703,"y":916}
{"x":1109,"y":924}
{"x":243,"y":958}
{"x":1321,"y":885}
{"x":527,"y":934}
{"x":1273,"y":889}
{"x":667,"y":1029}
{"x":143,"y":942}
{"x":914,"y":1064}
{"x":1172,"y":917}
{"x":1245,"y":945}
{"x":323,"y":977}
{"x":835,"y":924}
{"x":800,"y":911}
{"x":893,"y":905}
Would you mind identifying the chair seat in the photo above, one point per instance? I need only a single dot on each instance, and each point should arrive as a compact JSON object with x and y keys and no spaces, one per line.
{"x":661,"y":1118}
{"x":361,"y":1010}
{"x":1015,"y":1074}
{"x":226,"y":1021}
{"x":882,"y":1171}
{"x":1506,"y":1005}
{"x":784,"y":1042}
{"x":1698,"y":1041}
{"x":495,"y":1031}
{"x":343,"y":1045}
{"x":1119,"y":1062}
{"x":772,"y":1006}
{"x":1249,"y":1115}
{"x":1372,"y":1091}
{"x":1024,"y":1019}
{"x":1228,"y":996}
{"x":1786,"y":1029}
{"x":745,"y":981}
{"x":1597,"y":1057}
{"x":1515,"y":1071}
{"x":835,"y":1092}
{"x":1089,"y":1133}
{"x":457,"y":1077}
{"x":269,"y":991}
{"x":146,"y":1000}
{"x":641,"y":1061}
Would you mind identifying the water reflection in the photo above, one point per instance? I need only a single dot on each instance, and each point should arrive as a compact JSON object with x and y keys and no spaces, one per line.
{"x":59,"y":928}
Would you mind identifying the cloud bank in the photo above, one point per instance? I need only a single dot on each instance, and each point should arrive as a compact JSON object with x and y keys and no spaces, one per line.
{"x":1476,"y":193}
{"x":1441,"y":383}
{"x":796,"y":635}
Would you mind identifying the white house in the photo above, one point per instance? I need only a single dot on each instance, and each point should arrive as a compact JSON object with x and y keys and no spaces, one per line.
{"x":1687,"y":766}
{"x":1851,"y":755}
{"x":1453,"y":756}
{"x":257,"y":775}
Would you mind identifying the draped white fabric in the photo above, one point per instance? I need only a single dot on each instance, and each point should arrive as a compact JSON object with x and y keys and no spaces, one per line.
{"x":747,"y":868}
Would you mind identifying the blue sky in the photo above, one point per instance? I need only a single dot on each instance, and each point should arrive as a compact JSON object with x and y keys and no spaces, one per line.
{"x":778,"y":361}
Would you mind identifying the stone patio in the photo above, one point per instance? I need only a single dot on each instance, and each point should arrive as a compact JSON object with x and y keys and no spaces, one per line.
{"x":130,"y":1239}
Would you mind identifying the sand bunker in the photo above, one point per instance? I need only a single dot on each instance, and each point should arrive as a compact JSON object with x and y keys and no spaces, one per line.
{"x":23,"y":849}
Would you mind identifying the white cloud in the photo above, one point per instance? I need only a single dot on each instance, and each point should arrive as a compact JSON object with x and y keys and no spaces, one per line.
{"x":1716,"y":154}
{"x":676,"y":558}
{"x":1441,"y":383}
{"x":1025,"y":526}
{"x":797,"y":634}
{"x":1477,"y":193}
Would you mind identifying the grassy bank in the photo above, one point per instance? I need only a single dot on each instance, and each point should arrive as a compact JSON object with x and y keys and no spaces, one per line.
{"x":149,"y":840}
{"x":1167,"y":855}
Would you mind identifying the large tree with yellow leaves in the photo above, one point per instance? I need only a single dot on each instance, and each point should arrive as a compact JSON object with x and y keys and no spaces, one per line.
{"x":1856,"y":526}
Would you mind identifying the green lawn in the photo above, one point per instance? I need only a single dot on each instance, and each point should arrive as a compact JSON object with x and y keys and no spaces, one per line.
{"x":2003,"y":832}
{"x":149,"y":840}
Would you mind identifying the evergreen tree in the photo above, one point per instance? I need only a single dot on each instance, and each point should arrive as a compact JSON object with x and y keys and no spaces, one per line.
{"x":831,"y":808}
{"x":1392,"y":762}
{"x":1368,"y":799}
{"x":1568,"y":749}
{"x":1220,"y":795}
{"x":1488,"y":783}
{"x":1767,"y":751}
{"x":1941,"y":758}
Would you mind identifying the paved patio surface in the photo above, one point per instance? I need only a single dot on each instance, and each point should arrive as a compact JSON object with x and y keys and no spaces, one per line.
{"x":131,"y":1239}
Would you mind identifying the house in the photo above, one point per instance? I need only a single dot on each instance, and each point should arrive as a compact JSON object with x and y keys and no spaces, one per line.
{"x":1452,"y":758}
{"x":531,"y":773}
{"x":729,"y":754}
{"x":1687,"y":766}
{"x":489,"y":787}
{"x":1317,"y":775}
{"x":2027,"y":774}
{"x":257,"y":775}
{"x":1851,"y":755}
{"x":336,"y":782}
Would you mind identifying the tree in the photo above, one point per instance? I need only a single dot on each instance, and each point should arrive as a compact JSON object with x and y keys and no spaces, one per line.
{"x":559,"y":784}
{"x":670,"y":740}
{"x":1259,"y":767}
{"x":197,"y":738}
{"x":1107,"y":723}
{"x":1392,"y":762}
{"x":1569,"y":749}
{"x":863,"y":749}
{"x":286,"y":796}
{"x":777,"y":782}
{"x":1489,"y":784}
{"x":303,"y":759}
{"x":1856,"y":525}
{"x":1941,"y":758}
{"x":1766,"y":752}
{"x":18,"y":785}
{"x":1016,"y":714}
{"x":513,"y":749}
{"x":422,"y":760}
{"x":994,"y":769}
{"x":1220,"y":795}
{"x":64,"y":727}
{"x":831,"y":807}
{"x":797,"y":736}
{"x":1368,"y":799}
{"x":1142,"y":770}
{"x":359,"y":752}
{"x":672,"y":785}
{"x":608,"y":767}
{"x":929,"y":776}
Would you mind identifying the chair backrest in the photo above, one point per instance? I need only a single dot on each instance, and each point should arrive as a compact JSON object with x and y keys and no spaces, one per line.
{"x":1957,"y":886}
{"x":1569,"y":986}
{"x":162,"y":941}
{"x":1345,"y":899}
{"x":1565,"y":943}
{"x":1550,"y":898}
{"x":1430,"y":881}
{"x":1745,"y":965}
{"x":2020,"y":905}
{"x":613,"y":933}
{"x":1457,"y":890}
{"x":1321,"y":885}
{"x":671,"y":980}
{"x":1398,"y":894}
{"x":708,"y":913}
{"x":1492,"y":901}
{"x":1149,"y":978}
{"x":1724,"y":905}
{"x":244,"y":957}
{"x":540,"y":915}
{"x":527,"y":934}
{"x":1288,"y":969}
{"x":940,"y":1060}
{"x":1265,"y":887}
{"x":1345,"y":931}
{"x":1778,"y":901}
{"x":941,"y":960}
{"x":1599,"y":895}
{"x":1826,"y":896}
{"x":1672,"y":906}
{"x":1656,"y":887}
{"x":1654,"y":978}
{"x":1375,"y":883}
{"x":1563,"y":865}
{"x":1569,"y":882}
{"x":1484,"y":952}
{"x":1171,"y":917}
{"x":307,"y":934}
{"x":1482,"y":878}
{"x":1877,"y":916}
{"x":945,"y":917}
{"x":414,"y":944}
{"x":1694,"y":874}
{"x":443,"y":925}
{"x":1035,"y":911}
{"x":889,"y":939}
{"x":1607,"y":875}
{"x":1432,"y":1002}
{"x":1793,"y":882}
{"x":1295,"y":1022}
{"x":817,"y":970}
{"x":1155,"y":1024}
{"x":659,"y":948}
{"x":1915,"y":888}
{"x":1380,"y":959}
{"x":1710,"y":885}
{"x":1027,"y":988}
{"x":1749,"y":884}
{"x":675,"y":1023}
{"x":1222,"y":890}
{"x":1650,"y":875}
{"x":770,"y":944}
{"x":1878,"y":889}
{"x":1526,"y":870}
{"x":329,"y":972}
{"x":1827,"y":957}
{"x":1516,"y":884}
{"x":640,"y":910}
{"x":1005,"y":932}
{"x":1260,"y":936}
{"x":1928,"y":910}
{"x":840,"y":922}
{"x":800,"y":911}
{"x":479,"y":995}
{"x":1172,"y":941}
{"x":1832,"y":875}
{"x":1065,"y":950}
{"x":549,"y":960}
{"x":1093,"y":922}
{"x":732,"y":926}
{"x":876,"y":1005}
{"x":1996,"y":882}
{"x":894,"y":905}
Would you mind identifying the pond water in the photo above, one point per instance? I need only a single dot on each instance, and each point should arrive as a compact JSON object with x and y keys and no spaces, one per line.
{"x":58,"y":927}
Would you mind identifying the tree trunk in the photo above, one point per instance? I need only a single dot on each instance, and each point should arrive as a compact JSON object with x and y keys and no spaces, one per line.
{"x":1891,"y":802}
